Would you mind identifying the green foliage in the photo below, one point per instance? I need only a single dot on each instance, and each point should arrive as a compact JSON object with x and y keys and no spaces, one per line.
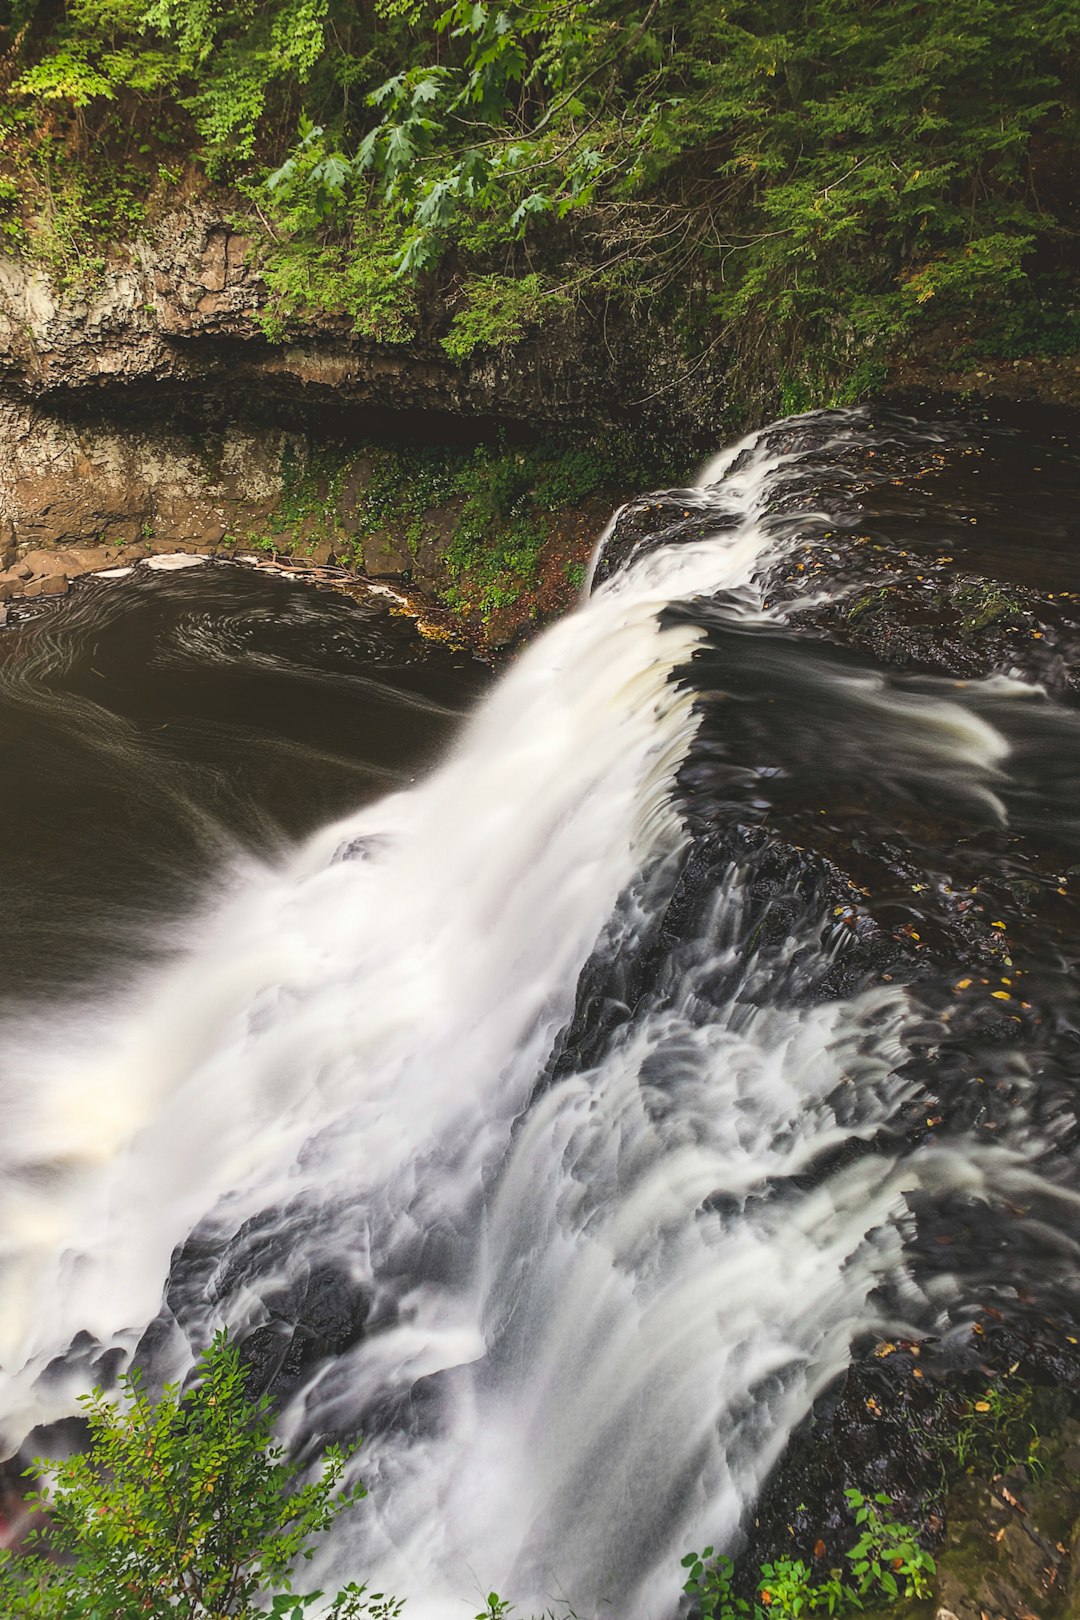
{"x":887,"y":1557}
{"x":886,"y":1562}
{"x":493,"y":546}
{"x":497,"y":312}
{"x":227,"y":65}
{"x":485,"y":510}
{"x":809,"y":185}
{"x":495,"y":1608}
{"x":994,"y":1433}
{"x":16,"y":15}
{"x":816,"y":178}
{"x":495,"y":502}
{"x":238,"y":60}
{"x":81,"y":212}
{"x":11,"y":225}
{"x":490,"y":565}
{"x":184,"y":1506}
{"x":69,"y":74}
{"x":305,"y":278}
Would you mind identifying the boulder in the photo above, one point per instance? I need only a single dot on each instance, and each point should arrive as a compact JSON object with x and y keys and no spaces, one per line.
{"x":45,"y":564}
{"x":320,"y":553}
{"x":53,"y":585}
{"x":385,"y":555}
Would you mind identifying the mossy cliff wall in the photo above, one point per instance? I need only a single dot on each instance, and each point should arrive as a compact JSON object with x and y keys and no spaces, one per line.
{"x":147,"y":408}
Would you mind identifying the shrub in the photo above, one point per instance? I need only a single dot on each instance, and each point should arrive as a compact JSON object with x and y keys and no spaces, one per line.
{"x":182,"y":1507}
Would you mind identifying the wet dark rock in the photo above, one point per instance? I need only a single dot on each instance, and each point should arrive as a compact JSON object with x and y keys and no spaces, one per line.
{"x":308,"y":1308}
{"x":975,"y":950}
{"x":324,"y":1321}
{"x":646,"y":525}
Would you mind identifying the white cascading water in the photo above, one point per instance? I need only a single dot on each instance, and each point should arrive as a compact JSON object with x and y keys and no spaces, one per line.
{"x":354,"y":1039}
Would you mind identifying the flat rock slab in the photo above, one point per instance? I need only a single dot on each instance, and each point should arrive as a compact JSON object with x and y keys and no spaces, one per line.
{"x":174,"y":559}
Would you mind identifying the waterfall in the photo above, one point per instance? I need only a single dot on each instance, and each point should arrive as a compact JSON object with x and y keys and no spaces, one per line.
{"x":578,"y":1294}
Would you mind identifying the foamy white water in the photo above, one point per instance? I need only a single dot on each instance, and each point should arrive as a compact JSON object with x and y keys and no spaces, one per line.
{"x":614,"y":1300}
{"x":363,"y":987}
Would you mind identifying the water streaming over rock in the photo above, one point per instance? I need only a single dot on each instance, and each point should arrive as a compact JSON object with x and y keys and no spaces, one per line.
{"x":548,"y":1123}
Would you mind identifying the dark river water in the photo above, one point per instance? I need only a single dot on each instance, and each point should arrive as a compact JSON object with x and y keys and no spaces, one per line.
{"x":564,"y":1096}
{"x":152,"y":730}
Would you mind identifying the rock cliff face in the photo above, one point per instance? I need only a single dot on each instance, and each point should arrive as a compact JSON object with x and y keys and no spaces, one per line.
{"x":152,"y":412}
{"x":63,"y":482}
{"x":184,"y":310}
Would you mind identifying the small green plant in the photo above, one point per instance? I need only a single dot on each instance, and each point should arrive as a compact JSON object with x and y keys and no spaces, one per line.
{"x":983,"y":603}
{"x":184,"y":1507}
{"x":995,"y":1432}
{"x":11,"y":223}
{"x":495,"y":1608}
{"x":708,"y":1582}
{"x":886,"y":1561}
{"x":887,"y":1557}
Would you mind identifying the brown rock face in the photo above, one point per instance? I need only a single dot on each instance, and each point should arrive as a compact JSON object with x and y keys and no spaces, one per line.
{"x":127,"y":491}
{"x":44,"y":564}
{"x":150,"y":413}
{"x":184,"y":308}
{"x":385,"y":556}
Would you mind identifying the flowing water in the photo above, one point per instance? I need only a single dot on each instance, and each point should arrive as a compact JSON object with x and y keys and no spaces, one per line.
{"x":559,"y":1121}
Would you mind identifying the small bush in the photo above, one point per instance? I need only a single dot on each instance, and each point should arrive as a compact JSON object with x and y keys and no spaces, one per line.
{"x":183,"y":1507}
{"x":887,"y":1563}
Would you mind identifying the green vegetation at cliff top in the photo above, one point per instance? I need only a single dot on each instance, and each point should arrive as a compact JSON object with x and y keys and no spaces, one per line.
{"x":805,"y":185}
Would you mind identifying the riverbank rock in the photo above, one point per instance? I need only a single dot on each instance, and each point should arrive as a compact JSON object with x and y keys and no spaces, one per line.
{"x":80,"y":492}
